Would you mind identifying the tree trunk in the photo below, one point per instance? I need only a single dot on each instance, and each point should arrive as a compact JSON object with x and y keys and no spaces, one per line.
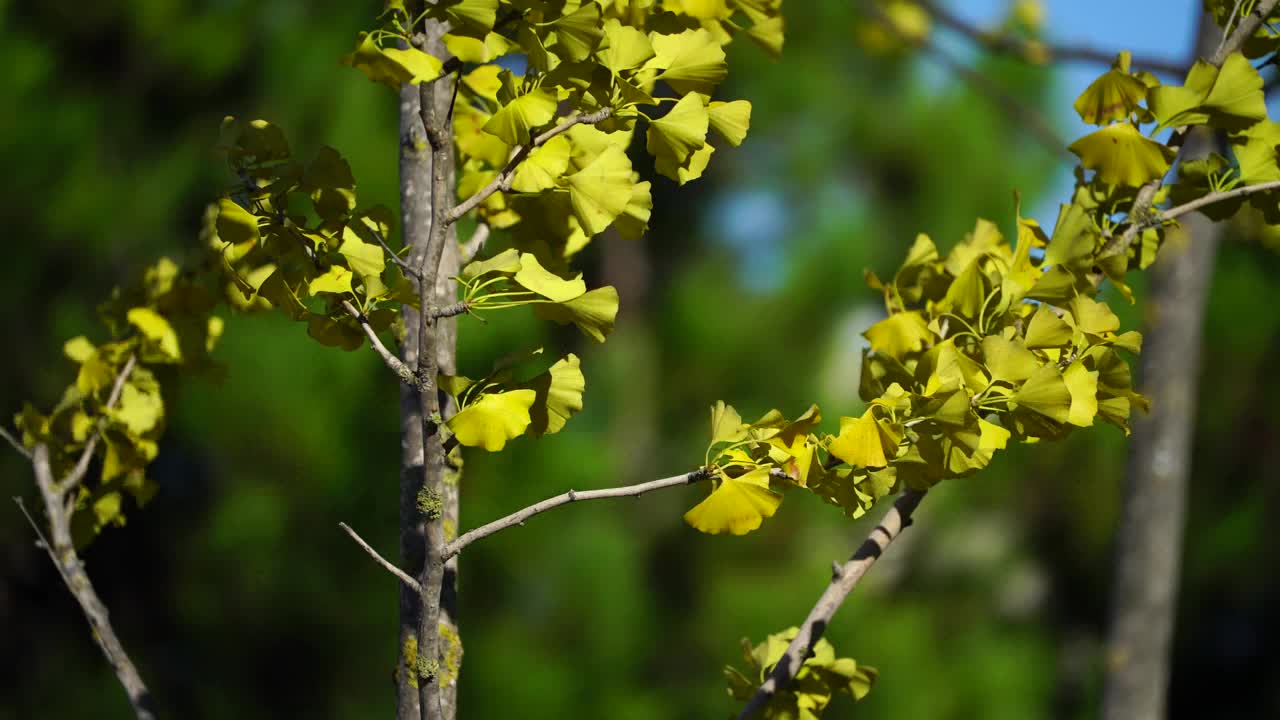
{"x":1149,"y":541}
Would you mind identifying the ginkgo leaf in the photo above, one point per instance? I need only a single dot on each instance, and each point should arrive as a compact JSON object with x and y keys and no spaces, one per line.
{"x":1123,"y":156}
{"x":578,"y":33}
{"x":992,"y":436}
{"x":634,"y":220}
{"x":1092,"y":316}
{"x":493,"y":419}
{"x":78,"y":349}
{"x":514,"y":121}
{"x":768,"y":34}
{"x":474,"y":16}
{"x":1074,"y":238}
{"x":600,"y":191}
{"x":475,"y":50}
{"x":1255,"y":151}
{"x":730,"y":120}
{"x":236,"y":225}
{"x":506,"y":262}
{"x":336,"y":279}
{"x":1083,"y":386}
{"x":364,"y":258}
{"x":683,"y":130}
{"x":1008,"y":360}
{"x":1046,"y":393}
{"x":532,"y":276}
{"x":593,"y":312}
{"x":726,"y":424}
{"x":1114,"y":95}
{"x":624,"y":47}
{"x":474,"y":142}
{"x":392,"y":66}
{"x":738,"y":505}
{"x":860,"y":442}
{"x":559,"y":396}
{"x":1229,"y":98}
{"x":157,"y":329}
{"x":543,"y":168}
{"x":899,"y":334}
{"x":692,"y":168}
{"x":691,"y":61}
{"x":1047,"y":330}
{"x":139,"y":408}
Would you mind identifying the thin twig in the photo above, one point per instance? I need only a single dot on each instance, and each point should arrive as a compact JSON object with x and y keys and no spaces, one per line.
{"x":475,"y":243}
{"x":395,"y":258}
{"x":76,"y":476}
{"x":844,"y":578}
{"x":1120,"y":244}
{"x":1163,"y":216}
{"x":62,"y":552}
{"x":400,"y":574}
{"x":22,"y":450}
{"x":518,"y":517}
{"x":453,"y":310}
{"x":1010,"y":45}
{"x":1226,"y":29}
{"x":395,"y":364}
{"x":503,"y":179}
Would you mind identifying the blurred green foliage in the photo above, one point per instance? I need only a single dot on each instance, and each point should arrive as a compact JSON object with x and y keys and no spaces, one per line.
{"x":239,"y":597}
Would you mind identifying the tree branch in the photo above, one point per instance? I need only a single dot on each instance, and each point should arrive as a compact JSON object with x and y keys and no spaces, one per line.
{"x":393,"y":363}
{"x":475,"y":243}
{"x":17,"y":445}
{"x":518,"y":517}
{"x":503,"y":180}
{"x":76,"y":476}
{"x":1120,"y":244}
{"x":844,"y":579}
{"x":400,"y":574}
{"x":408,"y":269}
{"x":62,"y":552}
{"x":1172,"y":213}
{"x":1009,"y":45}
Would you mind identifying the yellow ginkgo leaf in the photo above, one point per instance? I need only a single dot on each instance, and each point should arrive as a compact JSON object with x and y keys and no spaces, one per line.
{"x":1229,"y":98}
{"x":726,"y":424}
{"x":682,"y":131}
{"x":634,"y":220}
{"x":593,"y":312}
{"x":559,"y":396}
{"x":600,"y":191}
{"x":738,"y":505}
{"x":992,"y":436}
{"x":505,"y":262}
{"x":392,"y":66}
{"x":860,"y":442}
{"x":1115,"y":95}
{"x":514,"y":121}
{"x":1046,"y":393}
{"x":532,"y":276}
{"x":78,"y":349}
{"x":493,"y":419}
{"x":624,"y":47}
{"x":543,"y":168}
{"x":691,"y":61}
{"x":692,"y":168}
{"x":157,"y":329}
{"x":336,"y":279}
{"x":730,"y":120}
{"x":365,"y":259}
{"x":1008,"y":360}
{"x":1083,"y":386}
{"x":899,"y":334}
{"x":1047,"y":330}
{"x":1123,"y":156}
{"x":475,"y":50}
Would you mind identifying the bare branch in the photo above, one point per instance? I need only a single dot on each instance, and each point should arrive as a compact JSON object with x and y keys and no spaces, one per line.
{"x":76,"y":476}
{"x":475,"y":243}
{"x":844,"y":579}
{"x":1163,"y":216}
{"x":408,"y":269}
{"x":17,"y":445}
{"x":62,"y":552}
{"x":402,"y":371}
{"x":1009,"y":45}
{"x":1244,"y":30}
{"x":518,"y":517}
{"x":503,"y":180}
{"x":400,"y":574}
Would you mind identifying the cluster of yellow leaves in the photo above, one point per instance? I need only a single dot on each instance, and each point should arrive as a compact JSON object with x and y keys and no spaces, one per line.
{"x":163,"y":320}
{"x":497,"y":408}
{"x":984,"y":345}
{"x":820,"y":678}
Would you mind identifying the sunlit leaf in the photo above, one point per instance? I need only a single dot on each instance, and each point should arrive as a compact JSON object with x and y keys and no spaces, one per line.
{"x":493,"y":419}
{"x":1123,"y":156}
{"x":738,"y":505}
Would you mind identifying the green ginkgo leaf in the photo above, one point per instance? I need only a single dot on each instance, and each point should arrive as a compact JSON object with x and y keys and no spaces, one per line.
{"x":578,"y":33}
{"x":601,"y":191}
{"x":682,"y":131}
{"x":532,"y":276}
{"x":1123,"y":156}
{"x":515,"y":121}
{"x":543,"y":168}
{"x":493,"y":419}
{"x":559,"y":396}
{"x":1046,"y":393}
{"x":1074,"y":238}
{"x":505,"y":262}
{"x":156,"y":329}
{"x":392,"y":67}
{"x":624,"y":47}
{"x":1083,"y":386}
{"x":593,"y":312}
{"x":1229,"y":98}
{"x":365,"y":259}
{"x":1008,"y":360}
{"x":336,"y":279}
{"x":768,"y":34}
{"x":475,"y":50}
{"x":475,"y":17}
{"x":992,"y":436}
{"x":692,"y":168}
{"x":1115,"y":95}
{"x":738,"y":505}
{"x":634,"y":220}
{"x":1255,"y":151}
{"x":899,"y":334}
{"x":1093,"y":317}
{"x":1047,"y":330}
{"x":860,"y":442}
{"x":730,"y":120}
{"x":691,"y":61}
{"x":235,"y":225}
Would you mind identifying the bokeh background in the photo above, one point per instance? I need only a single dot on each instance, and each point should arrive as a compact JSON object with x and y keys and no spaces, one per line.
{"x":240,"y":598}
